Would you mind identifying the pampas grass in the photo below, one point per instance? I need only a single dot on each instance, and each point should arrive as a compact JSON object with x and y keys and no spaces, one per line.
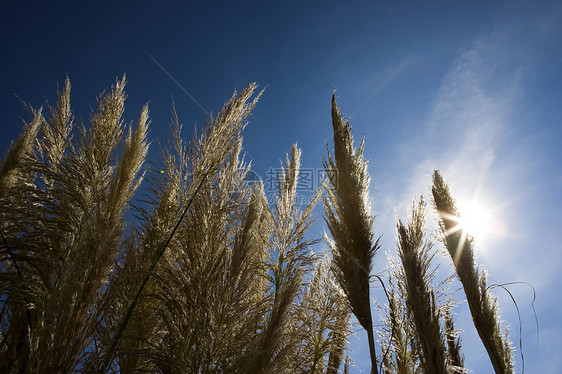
{"x":397,"y":335}
{"x":455,"y":359}
{"x":289,"y":260}
{"x":324,"y":327}
{"x":16,"y":314}
{"x":416,"y":278}
{"x":482,"y":306}
{"x":349,"y":222}
{"x":206,"y":276}
{"x":70,"y":239}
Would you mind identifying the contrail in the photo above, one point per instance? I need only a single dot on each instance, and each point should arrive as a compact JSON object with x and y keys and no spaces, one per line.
{"x":382,"y":85}
{"x":185,"y":91}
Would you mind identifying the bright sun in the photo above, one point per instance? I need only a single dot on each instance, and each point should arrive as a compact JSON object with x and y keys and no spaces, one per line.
{"x":474,"y":219}
{"x":478,"y":221}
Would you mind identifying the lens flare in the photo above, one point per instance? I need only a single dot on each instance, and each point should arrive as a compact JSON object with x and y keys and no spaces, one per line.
{"x":479,"y":222}
{"x":474,"y":219}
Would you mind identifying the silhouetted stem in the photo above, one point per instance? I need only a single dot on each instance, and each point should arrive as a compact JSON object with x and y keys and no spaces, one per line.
{"x":371,"y":338}
{"x":112,"y":348}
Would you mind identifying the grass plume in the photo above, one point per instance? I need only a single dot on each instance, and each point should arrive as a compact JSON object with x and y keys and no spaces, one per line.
{"x":347,"y":213}
{"x":416,"y":279}
{"x":209,"y":274}
{"x":482,"y":306}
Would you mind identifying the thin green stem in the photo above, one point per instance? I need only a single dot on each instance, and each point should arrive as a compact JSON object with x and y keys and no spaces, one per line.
{"x":113,"y":346}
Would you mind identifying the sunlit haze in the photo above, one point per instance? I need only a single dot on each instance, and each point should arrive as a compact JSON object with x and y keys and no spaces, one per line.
{"x":480,"y":222}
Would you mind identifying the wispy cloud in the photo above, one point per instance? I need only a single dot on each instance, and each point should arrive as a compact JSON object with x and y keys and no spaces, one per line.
{"x":180,"y":86}
{"x":467,"y":121}
{"x":472,"y":110}
{"x":470,"y":120}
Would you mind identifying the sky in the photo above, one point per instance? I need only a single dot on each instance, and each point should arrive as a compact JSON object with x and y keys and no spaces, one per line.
{"x":472,"y":88}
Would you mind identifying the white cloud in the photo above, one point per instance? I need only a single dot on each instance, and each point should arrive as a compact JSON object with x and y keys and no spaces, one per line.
{"x":473,"y":134}
{"x":467,"y":121}
{"x":471,"y":112}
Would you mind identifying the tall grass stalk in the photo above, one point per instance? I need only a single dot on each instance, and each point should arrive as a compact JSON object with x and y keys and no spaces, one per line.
{"x":482,"y":306}
{"x":123,"y":325}
{"x":11,"y":175}
{"x":455,"y":358}
{"x":210,"y":274}
{"x":193,"y":288}
{"x":347,"y":214}
{"x":416,"y":279}
{"x":397,"y":336}
{"x":324,"y":328}
{"x":289,"y":259}
{"x":69,"y":240}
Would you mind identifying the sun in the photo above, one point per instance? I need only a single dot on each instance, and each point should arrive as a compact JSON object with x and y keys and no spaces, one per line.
{"x":474,"y":219}
{"x":478,"y":221}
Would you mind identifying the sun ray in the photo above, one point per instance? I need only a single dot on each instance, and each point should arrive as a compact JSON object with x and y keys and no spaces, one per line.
{"x":476,"y":222}
{"x":453,"y":224}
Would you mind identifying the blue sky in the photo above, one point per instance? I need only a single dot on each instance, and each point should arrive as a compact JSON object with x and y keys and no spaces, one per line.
{"x":473,"y":89}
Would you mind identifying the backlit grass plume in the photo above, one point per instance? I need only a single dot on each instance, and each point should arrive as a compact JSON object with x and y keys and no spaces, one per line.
{"x":416,"y":278}
{"x":455,"y":358}
{"x":348,"y":218}
{"x":71,"y":237}
{"x":196,"y":265}
{"x":324,"y":328}
{"x":16,"y":319}
{"x":397,"y":334}
{"x":276,"y":348}
{"x":209,"y":274}
{"x":482,"y":306}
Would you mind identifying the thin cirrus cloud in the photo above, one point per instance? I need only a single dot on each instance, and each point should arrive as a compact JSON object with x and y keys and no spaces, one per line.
{"x":465,"y":125}
{"x":472,"y":110}
{"x":470,"y":122}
